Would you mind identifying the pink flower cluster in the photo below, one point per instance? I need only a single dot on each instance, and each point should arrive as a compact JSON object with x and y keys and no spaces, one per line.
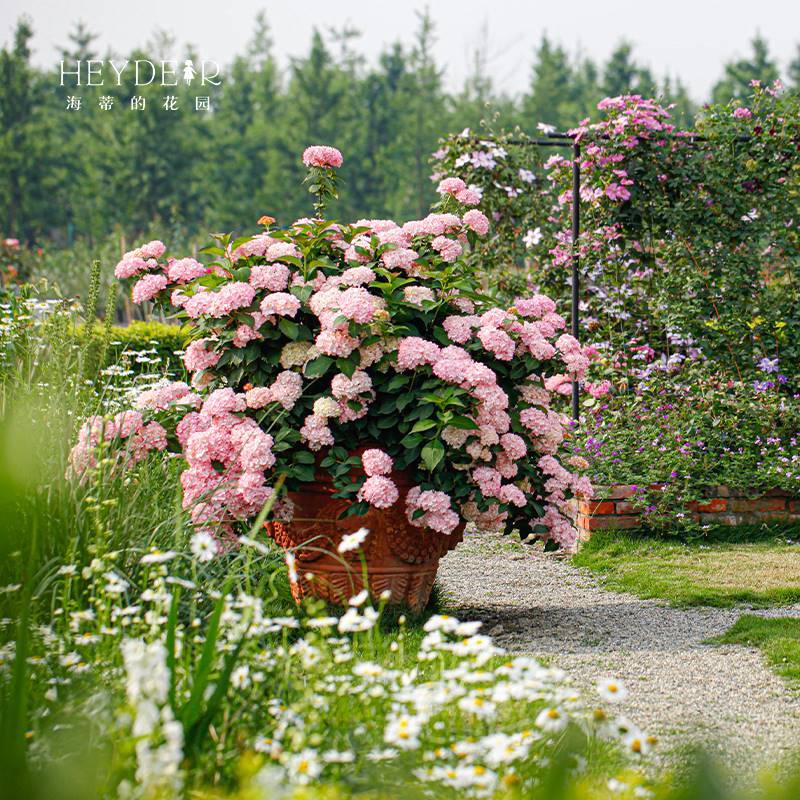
{"x":140,"y":259}
{"x":331,"y":280}
{"x":227,"y":454}
{"x":457,"y":188}
{"x":129,"y":438}
{"x":163,"y":397}
{"x":431,"y":509}
{"x":321,"y":155}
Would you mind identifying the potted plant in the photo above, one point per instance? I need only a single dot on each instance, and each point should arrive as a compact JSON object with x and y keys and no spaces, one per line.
{"x":362,"y":368}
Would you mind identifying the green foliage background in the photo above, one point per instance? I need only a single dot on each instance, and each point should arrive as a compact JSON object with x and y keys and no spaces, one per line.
{"x":68,"y":175}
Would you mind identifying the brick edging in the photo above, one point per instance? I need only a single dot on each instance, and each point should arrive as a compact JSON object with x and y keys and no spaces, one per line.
{"x":611,"y":508}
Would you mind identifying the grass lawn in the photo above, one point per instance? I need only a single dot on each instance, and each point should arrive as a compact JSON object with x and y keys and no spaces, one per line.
{"x":712,"y":573}
{"x":778,"y":639}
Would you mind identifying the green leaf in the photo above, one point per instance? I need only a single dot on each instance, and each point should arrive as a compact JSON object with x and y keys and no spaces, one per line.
{"x":319,"y":366}
{"x":190,"y":712}
{"x":289,"y":328}
{"x":347,"y":366}
{"x":432,"y":454}
{"x":465,"y":423}
{"x":425,"y":425}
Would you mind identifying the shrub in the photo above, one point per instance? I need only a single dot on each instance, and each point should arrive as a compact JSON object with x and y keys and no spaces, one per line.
{"x":148,"y":346}
{"x":685,"y":242}
{"x":324,"y":336}
{"x":683,"y":430}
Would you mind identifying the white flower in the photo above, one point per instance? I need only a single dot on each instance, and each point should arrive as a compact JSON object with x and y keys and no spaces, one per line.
{"x":402,"y":732}
{"x":258,"y":546}
{"x":551,"y":720}
{"x":68,"y":569}
{"x":115,"y":584}
{"x":339,"y":757}
{"x":526,"y":175}
{"x":353,"y":622}
{"x":326,"y":407}
{"x":612,"y":691}
{"x":366,"y":669}
{"x":638,"y":742}
{"x":352,"y":541}
{"x":157,"y":557}
{"x":240,"y":677}
{"x":291,"y":565}
{"x":322,"y":622}
{"x":532,"y":237}
{"x":304,"y":767}
{"x":358,"y":599}
{"x":441,"y":622}
{"x":545,"y":128}
{"x":204,"y":546}
{"x":382,"y":755}
{"x":477,"y":705}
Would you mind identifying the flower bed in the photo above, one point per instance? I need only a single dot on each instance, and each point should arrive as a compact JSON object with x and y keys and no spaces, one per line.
{"x":620,"y":507}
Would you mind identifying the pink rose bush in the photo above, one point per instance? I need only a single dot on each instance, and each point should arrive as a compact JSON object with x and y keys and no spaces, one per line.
{"x":315,"y":340}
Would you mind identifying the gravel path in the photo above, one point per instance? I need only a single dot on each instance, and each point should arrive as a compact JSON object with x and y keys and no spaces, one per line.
{"x":680,"y":689}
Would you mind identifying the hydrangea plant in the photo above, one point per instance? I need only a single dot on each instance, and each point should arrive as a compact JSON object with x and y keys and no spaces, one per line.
{"x":316,"y":339}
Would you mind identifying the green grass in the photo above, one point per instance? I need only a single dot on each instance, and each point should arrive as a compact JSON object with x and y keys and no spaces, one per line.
{"x":710,"y":573}
{"x":778,"y":639}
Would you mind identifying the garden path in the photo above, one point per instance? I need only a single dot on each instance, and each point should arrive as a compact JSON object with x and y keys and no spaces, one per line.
{"x":680,"y":689}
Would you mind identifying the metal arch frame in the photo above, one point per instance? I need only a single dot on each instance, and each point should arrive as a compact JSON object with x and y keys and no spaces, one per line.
{"x":573,"y":141}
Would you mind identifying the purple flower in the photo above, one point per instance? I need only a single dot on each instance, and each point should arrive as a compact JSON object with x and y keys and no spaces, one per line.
{"x":768,"y":365}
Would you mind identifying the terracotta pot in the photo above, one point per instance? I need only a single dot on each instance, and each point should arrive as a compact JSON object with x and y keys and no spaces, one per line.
{"x":399,"y":557}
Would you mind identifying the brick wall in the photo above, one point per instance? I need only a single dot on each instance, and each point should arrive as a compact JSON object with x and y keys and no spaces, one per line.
{"x":611,"y":509}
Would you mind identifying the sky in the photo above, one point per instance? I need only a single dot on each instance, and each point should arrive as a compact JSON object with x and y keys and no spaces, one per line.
{"x":685,"y":38}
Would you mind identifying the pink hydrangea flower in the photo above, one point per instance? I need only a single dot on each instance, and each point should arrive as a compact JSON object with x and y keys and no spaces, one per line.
{"x":514,"y":445}
{"x":257,"y":455}
{"x":320,"y":155}
{"x":497,"y":342}
{"x":357,"y":276}
{"x":316,"y":433}
{"x":418,"y":294}
{"x":337,"y":343}
{"x":131,"y":265}
{"x":451,"y":186}
{"x":184,"y":270}
{"x":153,"y":249}
{"x":536,"y":306}
{"x":379,"y":491}
{"x":399,"y":258}
{"x":162,"y":397}
{"x":376,"y":462}
{"x":513,"y":495}
{"x":459,"y":328}
{"x":477,"y":221}
{"x":413,"y":352}
{"x":344,"y":388}
{"x":223,"y":401}
{"x":281,"y":303}
{"x":148,"y":287}
{"x":273,"y":277}
{"x":448,"y":249}
{"x":468,"y":197}
{"x":197,"y":357}
{"x":358,"y":304}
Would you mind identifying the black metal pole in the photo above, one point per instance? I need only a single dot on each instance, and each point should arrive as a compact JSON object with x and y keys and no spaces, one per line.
{"x":576,"y":279}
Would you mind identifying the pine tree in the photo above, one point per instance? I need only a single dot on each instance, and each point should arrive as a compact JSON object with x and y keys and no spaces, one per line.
{"x":735,"y":83}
